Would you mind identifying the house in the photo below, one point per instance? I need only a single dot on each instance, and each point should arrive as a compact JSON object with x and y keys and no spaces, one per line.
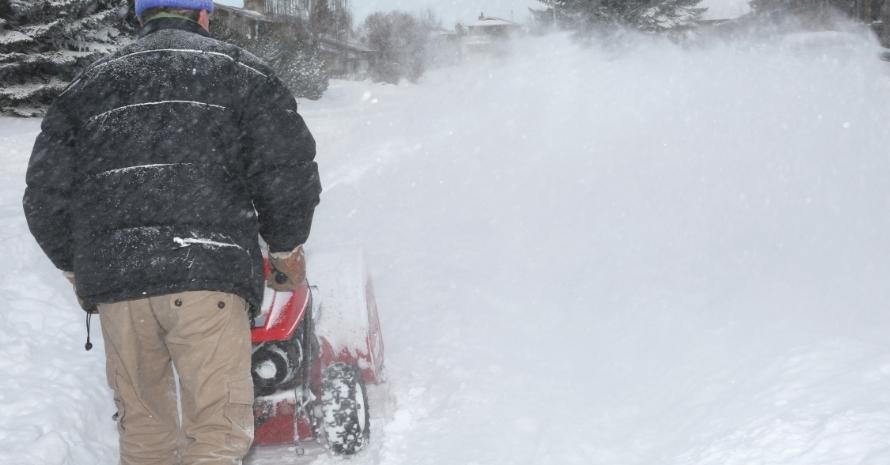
{"x":290,"y":18}
{"x":346,"y":59}
{"x":488,"y":36}
{"x":292,"y":8}
{"x":492,"y":27}
{"x":243,"y":22}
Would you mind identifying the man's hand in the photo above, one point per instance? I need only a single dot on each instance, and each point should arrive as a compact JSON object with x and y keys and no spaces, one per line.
{"x":288,"y":269}
{"x":89,"y":309}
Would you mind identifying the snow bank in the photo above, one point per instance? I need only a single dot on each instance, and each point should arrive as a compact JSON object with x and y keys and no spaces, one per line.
{"x":637,"y":255}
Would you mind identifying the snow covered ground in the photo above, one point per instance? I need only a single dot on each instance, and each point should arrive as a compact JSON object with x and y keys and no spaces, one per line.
{"x":632,"y":256}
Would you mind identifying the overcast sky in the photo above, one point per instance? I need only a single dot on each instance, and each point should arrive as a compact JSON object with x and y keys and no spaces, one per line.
{"x":451,"y":11}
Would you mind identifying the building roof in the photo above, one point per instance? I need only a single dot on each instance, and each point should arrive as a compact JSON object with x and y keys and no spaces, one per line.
{"x":346,"y":45}
{"x":490,"y":21}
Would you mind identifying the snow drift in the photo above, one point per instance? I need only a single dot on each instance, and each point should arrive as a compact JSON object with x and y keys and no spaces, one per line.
{"x":639,"y":255}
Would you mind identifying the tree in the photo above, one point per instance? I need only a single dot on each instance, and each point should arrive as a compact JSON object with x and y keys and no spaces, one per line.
{"x":45,"y":43}
{"x":644,"y":15}
{"x":321,"y":17}
{"x":867,"y":10}
{"x":823,"y":12}
{"x":762,"y":6}
{"x":331,"y":18}
{"x":290,"y":48}
{"x":401,"y":41}
{"x":342,"y":20}
{"x":297,"y":62}
{"x":885,"y":24}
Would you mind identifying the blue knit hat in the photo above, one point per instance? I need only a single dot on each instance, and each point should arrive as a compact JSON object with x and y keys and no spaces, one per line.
{"x":142,"y":5}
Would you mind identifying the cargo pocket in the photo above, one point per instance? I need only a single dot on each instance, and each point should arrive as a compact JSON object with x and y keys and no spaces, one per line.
{"x":239,"y":413}
{"x":120,"y":416}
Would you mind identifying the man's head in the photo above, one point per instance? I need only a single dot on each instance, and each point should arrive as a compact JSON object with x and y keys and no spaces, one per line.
{"x":197,"y":10}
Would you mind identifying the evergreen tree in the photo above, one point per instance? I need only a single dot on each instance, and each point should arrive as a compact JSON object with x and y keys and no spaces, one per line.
{"x":644,"y":15}
{"x":45,"y":43}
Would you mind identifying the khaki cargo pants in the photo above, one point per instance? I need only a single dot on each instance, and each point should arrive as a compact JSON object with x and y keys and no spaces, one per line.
{"x":206,"y":336}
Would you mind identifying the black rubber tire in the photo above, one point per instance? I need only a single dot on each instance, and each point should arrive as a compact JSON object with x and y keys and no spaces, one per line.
{"x":344,"y":405}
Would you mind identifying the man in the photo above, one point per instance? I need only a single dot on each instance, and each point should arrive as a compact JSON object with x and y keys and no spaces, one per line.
{"x":154,"y":173}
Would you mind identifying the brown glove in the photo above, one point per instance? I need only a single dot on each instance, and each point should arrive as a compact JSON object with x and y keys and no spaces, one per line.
{"x":69,"y":275}
{"x":288,"y":269}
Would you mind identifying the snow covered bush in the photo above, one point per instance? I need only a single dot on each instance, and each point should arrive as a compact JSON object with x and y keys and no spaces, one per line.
{"x":45,"y":43}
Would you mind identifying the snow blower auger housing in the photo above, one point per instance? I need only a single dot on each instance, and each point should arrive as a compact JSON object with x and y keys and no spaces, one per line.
{"x":314,"y":352}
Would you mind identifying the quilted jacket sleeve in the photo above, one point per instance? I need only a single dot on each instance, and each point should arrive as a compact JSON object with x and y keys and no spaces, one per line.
{"x":49,"y":184}
{"x":281,"y":169}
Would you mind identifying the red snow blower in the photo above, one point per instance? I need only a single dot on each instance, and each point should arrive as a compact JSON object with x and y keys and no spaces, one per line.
{"x":314,"y":351}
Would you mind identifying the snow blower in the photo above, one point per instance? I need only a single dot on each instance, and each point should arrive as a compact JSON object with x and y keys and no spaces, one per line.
{"x":314,"y":352}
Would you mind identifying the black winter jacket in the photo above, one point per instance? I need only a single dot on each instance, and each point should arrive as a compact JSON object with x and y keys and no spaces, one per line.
{"x":157,"y":168}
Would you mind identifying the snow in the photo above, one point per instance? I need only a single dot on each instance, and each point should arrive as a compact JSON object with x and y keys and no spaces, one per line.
{"x":9,"y":38}
{"x":266,"y":369}
{"x":340,"y":277}
{"x":129,"y":169}
{"x":821,"y":40}
{"x":629,"y":255}
{"x":22,"y":91}
{"x":274,"y":304}
{"x":53,"y":400}
{"x":190,"y":241}
{"x":180,"y":50}
{"x":491,"y":22}
{"x":160,"y":102}
{"x":725,"y":9}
